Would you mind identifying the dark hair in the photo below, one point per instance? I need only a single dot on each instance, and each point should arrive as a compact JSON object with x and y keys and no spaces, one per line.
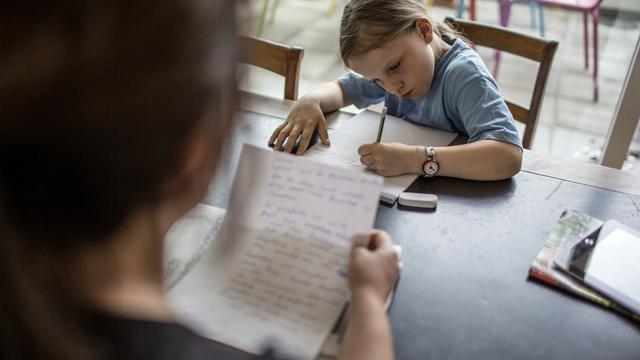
{"x":97,"y":99}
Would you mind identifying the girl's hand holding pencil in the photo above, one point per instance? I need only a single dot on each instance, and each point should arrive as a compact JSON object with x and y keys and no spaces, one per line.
{"x":389,"y":159}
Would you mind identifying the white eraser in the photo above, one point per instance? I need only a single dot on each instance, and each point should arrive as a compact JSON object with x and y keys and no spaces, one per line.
{"x":420,"y":200}
{"x":388,"y":198}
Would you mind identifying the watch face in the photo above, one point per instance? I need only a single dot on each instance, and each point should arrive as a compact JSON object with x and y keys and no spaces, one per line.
{"x":430,"y":167}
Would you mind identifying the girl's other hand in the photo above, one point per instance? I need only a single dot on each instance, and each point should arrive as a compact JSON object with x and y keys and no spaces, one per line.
{"x":373,"y":267}
{"x":305,"y":116}
{"x":389,"y":159}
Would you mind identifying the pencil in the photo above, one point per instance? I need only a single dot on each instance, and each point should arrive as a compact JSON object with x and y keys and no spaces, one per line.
{"x":383,"y":116}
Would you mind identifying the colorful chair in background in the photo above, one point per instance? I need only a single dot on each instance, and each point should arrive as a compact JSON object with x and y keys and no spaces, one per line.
{"x":472,"y":9}
{"x":533,"y":4}
{"x":534,"y":7}
{"x":505,"y":13}
{"x":586,"y":7}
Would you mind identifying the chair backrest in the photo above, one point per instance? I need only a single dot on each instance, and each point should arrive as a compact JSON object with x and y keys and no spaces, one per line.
{"x":530,"y":47}
{"x":280,"y":59}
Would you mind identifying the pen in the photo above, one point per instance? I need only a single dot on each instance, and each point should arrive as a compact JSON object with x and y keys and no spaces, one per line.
{"x":383,"y":115}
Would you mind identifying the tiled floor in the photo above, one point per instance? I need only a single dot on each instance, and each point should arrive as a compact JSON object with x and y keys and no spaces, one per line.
{"x":571,"y":124}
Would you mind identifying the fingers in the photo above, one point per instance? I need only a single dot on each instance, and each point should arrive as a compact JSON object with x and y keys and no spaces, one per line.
{"x":380,"y":243}
{"x":305,"y":138}
{"x":276,"y":132}
{"x":365,"y":149}
{"x":367,"y":160}
{"x":285,"y":136}
{"x":282,"y":136}
{"x":358,"y":254}
{"x":379,"y":240}
{"x":292,"y":138}
{"x":374,"y":263}
{"x":323,"y":132}
{"x":366,"y":156}
{"x":374,"y":240}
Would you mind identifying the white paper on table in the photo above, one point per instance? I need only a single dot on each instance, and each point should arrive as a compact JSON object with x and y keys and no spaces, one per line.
{"x":276,"y":273}
{"x":363,"y":129}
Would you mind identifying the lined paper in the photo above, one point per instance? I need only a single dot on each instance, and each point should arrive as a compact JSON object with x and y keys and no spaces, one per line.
{"x":276,"y":274}
{"x":189,"y":239}
{"x":362,"y":129}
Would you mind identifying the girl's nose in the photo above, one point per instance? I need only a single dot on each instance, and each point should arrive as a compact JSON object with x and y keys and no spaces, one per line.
{"x":398,"y":87}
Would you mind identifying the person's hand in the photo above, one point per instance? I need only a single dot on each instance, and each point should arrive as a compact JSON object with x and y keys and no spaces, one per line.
{"x":389,"y":159}
{"x":373,"y":266}
{"x":305,"y":116}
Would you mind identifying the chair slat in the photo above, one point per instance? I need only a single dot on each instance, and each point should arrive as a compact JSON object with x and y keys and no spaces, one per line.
{"x":519,"y":113}
{"x":281,"y":59}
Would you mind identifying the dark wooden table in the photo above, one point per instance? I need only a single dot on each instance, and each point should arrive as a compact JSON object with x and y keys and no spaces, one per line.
{"x":464,"y":293}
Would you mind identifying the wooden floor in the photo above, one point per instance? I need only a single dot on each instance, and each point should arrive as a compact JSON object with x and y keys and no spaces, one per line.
{"x":572,"y":125}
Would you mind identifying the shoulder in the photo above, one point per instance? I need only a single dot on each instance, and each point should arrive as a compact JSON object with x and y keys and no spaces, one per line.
{"x":465,"y":66}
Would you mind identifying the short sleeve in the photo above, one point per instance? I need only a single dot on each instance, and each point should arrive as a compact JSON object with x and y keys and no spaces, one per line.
{"x":360,"y":91}
{"x":484,"y":113}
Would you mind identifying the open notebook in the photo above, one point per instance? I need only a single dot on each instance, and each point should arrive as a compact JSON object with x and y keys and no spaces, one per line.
{"x":276,"y":273}
{"x":362,"y":129}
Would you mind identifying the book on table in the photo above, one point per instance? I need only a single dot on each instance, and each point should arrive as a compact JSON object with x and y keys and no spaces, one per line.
{"x":571,"y":227}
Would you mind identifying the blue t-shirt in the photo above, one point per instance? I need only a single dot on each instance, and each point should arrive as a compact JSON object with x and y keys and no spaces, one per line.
{"x":463,"y":98}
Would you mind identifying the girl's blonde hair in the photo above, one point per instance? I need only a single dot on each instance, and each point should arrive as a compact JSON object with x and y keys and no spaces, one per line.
{"x":370,"y":24}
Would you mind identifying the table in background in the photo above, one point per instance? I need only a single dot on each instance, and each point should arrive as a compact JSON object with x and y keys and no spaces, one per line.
{"x":464,"y":292}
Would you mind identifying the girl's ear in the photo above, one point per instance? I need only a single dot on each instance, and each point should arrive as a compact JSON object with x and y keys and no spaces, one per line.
{"x":425,"y":29}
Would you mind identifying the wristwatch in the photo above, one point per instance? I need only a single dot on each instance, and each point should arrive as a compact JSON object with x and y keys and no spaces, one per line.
{"x":431,"y":166}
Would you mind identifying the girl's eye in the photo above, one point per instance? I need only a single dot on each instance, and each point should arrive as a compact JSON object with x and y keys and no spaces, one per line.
{"x":394,"y":66}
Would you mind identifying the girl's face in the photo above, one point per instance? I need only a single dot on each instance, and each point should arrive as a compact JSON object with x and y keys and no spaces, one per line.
{"x":404,"y":66}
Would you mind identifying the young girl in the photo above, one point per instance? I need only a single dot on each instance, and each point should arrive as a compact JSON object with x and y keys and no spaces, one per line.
{"x":113,"y":117}
{"x":424,"y":74}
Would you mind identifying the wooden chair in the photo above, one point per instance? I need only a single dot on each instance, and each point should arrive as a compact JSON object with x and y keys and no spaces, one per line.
{"x":280,"y":59}
{"x":530,"y":47}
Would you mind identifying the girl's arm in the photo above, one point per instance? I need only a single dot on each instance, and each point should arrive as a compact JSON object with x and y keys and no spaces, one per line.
{"x":330,"y":96}
{"x":480,"y":160}
{"x":307,"y":115}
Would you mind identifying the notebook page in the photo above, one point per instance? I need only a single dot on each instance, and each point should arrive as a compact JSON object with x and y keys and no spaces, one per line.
{"x":188,"y":240}
{"x":276,"y":273}
{"x":363,"y":129}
